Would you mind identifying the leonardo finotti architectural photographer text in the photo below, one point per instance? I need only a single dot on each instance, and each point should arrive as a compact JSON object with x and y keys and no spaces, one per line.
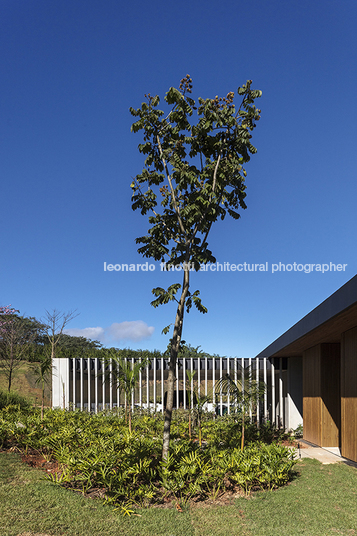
{"x":228,"y":267}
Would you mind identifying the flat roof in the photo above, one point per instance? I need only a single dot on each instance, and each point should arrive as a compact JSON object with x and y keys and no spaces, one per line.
{"x":325,"y":323}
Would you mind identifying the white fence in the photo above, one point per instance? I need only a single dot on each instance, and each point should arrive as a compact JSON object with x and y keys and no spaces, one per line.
{"x":84,"y":384}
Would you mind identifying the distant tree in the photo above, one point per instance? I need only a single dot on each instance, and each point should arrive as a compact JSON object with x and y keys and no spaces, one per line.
{"x":17,"y":336}
{"x":70,"y":346}
{"x":54,"y":324}
{"x":196,"y":168}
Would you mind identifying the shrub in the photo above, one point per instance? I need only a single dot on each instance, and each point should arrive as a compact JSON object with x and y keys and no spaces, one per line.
{"x":13,"y":401}
{"x":98,"y":452}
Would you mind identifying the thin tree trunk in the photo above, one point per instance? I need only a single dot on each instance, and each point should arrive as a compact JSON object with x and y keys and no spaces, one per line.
{"x":11,"y":366}
{"x":175,"y":345}
{"x":43,"y":399}
{"x":243,"y":430}
{"x":168,"y":412}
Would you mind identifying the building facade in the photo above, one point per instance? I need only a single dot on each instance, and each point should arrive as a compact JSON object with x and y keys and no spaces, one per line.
{"x":323,"y":344}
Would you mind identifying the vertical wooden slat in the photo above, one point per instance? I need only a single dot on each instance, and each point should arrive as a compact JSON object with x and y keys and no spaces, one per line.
{"x":191,"y":383}
{"x":250,"y":386}
{"x":257,"y":381}
{"x":177,"y":386}
{"x":184,"y":381}
{"x":81,"y":372}
{"x":74,"y":383}
{"x":266,"y":389}
{"x":243,"y":377}
{"x":312,"y":409}
{"x":349,"y":395}
{"x":154,"y":380}
{"x":96,"y":385}
{"x":133,"y":393}
{"x":228,"y":394}
{"x":214,"y":382}
{"x":273,"y":406}
{"x":103,"y":385}
{"x":111,"y":383}
{"x":147,"y":386}
{"x":220,"y":391}
{"x":281,"y":408}
{"x":89,"y":384}
{"x":162,"y":385}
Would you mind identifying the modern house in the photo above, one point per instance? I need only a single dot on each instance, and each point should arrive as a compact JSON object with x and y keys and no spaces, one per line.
{"x":321,"y":350}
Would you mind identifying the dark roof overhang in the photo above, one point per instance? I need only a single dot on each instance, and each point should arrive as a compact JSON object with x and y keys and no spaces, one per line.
{"x":325,"y":323}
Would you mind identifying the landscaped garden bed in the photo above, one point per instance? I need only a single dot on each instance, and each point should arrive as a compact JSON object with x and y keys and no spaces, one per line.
{"x":96,"y":455}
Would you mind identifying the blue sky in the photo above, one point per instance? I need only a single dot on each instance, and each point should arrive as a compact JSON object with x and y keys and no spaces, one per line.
{"x":70,"y":71}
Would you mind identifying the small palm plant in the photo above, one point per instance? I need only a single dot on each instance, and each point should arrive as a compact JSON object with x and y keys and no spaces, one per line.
{"x":201,"y":401}
{"x":197,"y":405}
{"x":190,"y":375}
{"x":42,"y":371}
{"x":124,"y":376}
{"x":245,"y":392}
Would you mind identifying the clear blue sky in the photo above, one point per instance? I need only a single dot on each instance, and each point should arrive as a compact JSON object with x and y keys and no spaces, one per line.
{"x":69,"y":72}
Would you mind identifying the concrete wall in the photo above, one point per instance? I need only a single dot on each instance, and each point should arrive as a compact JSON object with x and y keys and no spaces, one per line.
{"x":294,"y":398}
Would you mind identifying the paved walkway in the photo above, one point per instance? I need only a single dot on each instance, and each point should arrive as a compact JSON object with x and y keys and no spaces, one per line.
{"x":323,"y":455}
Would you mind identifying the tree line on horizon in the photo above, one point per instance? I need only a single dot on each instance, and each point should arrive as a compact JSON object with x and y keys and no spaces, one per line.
{"x":38,"y":342}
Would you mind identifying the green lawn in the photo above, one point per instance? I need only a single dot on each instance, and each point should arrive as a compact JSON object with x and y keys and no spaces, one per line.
{"x":321,"y":501}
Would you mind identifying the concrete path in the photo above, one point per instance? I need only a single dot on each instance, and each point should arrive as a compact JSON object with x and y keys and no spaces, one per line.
{"x":323,"y":455}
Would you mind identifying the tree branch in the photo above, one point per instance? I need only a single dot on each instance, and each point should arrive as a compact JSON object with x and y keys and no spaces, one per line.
{"x":177,"y":210}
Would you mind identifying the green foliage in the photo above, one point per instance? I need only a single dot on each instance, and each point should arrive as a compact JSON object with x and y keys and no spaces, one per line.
{"x":193,"y":175}
{"x":13,"y":400}
{"x":98,"y":452}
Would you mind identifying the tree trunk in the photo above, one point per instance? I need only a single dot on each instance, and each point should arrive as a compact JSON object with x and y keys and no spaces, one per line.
{"x":175,"y":346}
{"x":43,"y":399}
{"x":11,"y":365}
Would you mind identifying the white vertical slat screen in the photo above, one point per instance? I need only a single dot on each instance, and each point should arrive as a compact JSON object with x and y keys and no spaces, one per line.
{"x":90,"y":387}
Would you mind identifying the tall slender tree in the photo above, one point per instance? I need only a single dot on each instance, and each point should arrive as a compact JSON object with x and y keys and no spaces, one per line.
{"x":54,"y":324}
{"x":193,"y":176}
{"x":17,"y":336}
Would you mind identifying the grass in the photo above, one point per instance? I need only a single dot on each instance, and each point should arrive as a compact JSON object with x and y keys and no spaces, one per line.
{"x":30,"y":503}
{"x":321,"y":502}
{"x":24,"y":382}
